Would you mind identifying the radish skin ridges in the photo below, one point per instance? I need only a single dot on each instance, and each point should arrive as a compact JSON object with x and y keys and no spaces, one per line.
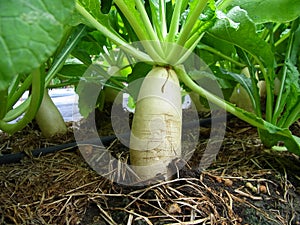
{"x":156,"y":128}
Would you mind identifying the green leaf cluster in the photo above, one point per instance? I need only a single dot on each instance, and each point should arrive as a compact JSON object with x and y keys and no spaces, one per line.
{"x":262,"y":36}
{"x":30,"y":33}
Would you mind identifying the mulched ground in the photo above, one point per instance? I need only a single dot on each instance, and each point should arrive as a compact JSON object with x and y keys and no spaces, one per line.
{"x":246,"y":184}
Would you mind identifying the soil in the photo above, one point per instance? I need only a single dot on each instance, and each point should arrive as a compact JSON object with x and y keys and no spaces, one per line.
{"x":246,"y":183}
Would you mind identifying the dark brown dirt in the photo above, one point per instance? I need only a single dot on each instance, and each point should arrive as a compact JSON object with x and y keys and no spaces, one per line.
{"x":246,"y":184}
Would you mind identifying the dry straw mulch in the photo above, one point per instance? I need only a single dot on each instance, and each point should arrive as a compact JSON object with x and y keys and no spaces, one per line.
{"x":245,"y":185}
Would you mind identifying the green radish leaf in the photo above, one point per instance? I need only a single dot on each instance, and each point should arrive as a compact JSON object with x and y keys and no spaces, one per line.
{"x":86,"y":103}
{"x":212,"y":82}
{"x":92,"y":43}
{"x":291,"y":94}
{"x":290,"y":141}
{"x":73,"y":70}
{"x":156,"y":16}
{"x":129,"y":10}
{"x":89,"y":89}
{"x":130,"y":35}
{"x":270,"y":134}
{"x":31,"y":30}
{"x":82,"y":55}
{"x":244,"y":81}
{"x":262,"y":11}
{"x":296,"y":45}
{"x":237,"y":28}
{"x":221,"y":45}
{"x":105,"y":6}
{"x":3,"y":100}
{"x":93,"y":7}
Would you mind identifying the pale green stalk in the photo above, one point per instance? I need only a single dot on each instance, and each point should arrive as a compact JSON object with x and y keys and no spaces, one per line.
{"x":36,"y":97}
{"x":175,"y":53}
{"x":18,"y":111}
{"x":269,"y":93}
{"x":140,"y":7}
{"x":188,"y":51}
{"x":191,"y":20}
{"x":282,"y":39}
{"x":62,"y":57}
{"x":284,"y":74}
{"x":14,"y":113}
{"x":211,"y":97}
{"x":174,"y":26}
{"x":141,"y":32}
{"x":3,"y":101}
{"x":293,"y":116}
{"x":164,"y":31}
{"x":113,"y":37}
{"x":218,"y":53}
{"x":15,"y":84}
{"x":148,"y":26}
{"x":183,"y":76}
{"x":18,"y":93}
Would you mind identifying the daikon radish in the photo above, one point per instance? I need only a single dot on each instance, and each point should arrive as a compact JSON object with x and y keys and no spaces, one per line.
{"x":156,"y":129}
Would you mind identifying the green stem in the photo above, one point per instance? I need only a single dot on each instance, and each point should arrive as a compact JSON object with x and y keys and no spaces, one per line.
{"x":14,"y":86}
{"x":146,"y":21}
{"x":18,"y":111}
{"x":174,"y":26}
{"x":218,"y":53}
{"x":256,"y":97}
{"x":187,"y":51}
{"x":243,"y":115}
{"x":141,"y":32}
{"x":213,"y":98}
{"x":36,"y":98}
{"x":175,"y":54}
{"x":63,"y":84}
{"x":65,"y":39}
{"x":191,"y":21}
{"x":62,"y":57}
{"x":264,"y":35}
{"x":148,"y":26}
{"x":270,"y":95}
{"x":268,"y":33}
{"x":162,"y":14}
{"x":113,"y":37}
{"x":293,"y":116}
{"x":284,"y":74}
{"x":282,"y":39}
{"x":3,"y":100}
{"x":14,"y":97}
{"x":18,"y":93}
{"x":269,"y":98}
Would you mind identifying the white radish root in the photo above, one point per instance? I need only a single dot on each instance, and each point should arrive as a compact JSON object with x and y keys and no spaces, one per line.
{"x":156,"y":129}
